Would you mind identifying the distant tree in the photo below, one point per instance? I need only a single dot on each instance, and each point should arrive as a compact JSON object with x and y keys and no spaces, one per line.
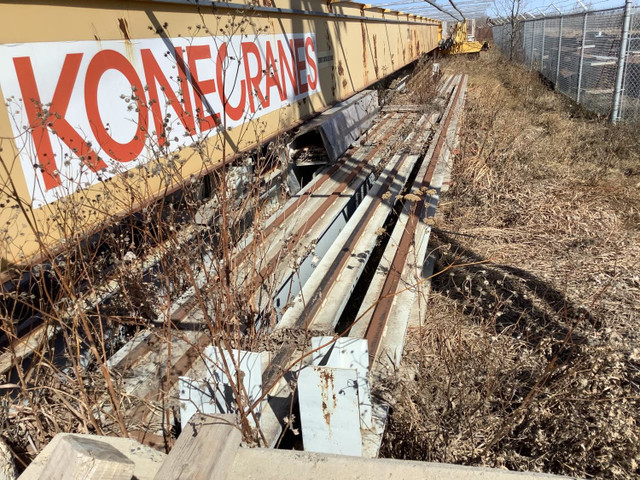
{"x":510,"y":11}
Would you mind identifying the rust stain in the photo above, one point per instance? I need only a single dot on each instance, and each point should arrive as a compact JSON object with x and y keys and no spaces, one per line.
{"x":375,"y":54}
{"x":325,"y":413}
{"x":95,"y":35}
{"x":333,"y":83}
{"x":344,"y":83}
{"x":364,"y":50}
{"x":124,"y":28}
{"x":340,"y":68}
{"x":326,"y":385}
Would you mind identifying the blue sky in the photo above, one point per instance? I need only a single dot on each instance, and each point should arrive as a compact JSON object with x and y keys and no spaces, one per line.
{"x":475,"y":8}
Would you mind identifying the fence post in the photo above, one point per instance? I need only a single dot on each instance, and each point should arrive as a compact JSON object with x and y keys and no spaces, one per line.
{"x":584,"y":38}
{"x":533,"y":38}
{"x":621,"y":61}
{"x":555,"y":86}
{"x":544,"y":31}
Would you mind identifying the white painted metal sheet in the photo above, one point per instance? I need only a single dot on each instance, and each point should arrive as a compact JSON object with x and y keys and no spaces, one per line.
{"x":215,"y":394}
{"x":229,"y":369}
{"x":329,"y":410}
{"x":196,"y":396}
{"x":350,"y":353}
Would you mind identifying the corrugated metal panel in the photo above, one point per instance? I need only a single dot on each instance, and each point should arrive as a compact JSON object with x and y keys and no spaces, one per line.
{"x":102,"y":90}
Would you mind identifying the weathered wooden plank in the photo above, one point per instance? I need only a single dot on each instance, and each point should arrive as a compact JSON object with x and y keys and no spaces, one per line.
{"x":77,"y":458}
{"x":403,"y":108}
{"x":204,"y":450}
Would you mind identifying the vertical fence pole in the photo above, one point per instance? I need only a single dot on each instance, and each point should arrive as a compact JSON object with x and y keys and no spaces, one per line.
{"x":544,"y":29}
{"x":621,"y":61}
{"x":533,"y":38}
{"x":584,"y":38}
{"x":555,"y":86}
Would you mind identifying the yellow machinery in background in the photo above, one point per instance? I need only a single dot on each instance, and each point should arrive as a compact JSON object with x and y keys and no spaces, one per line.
{"x":459,"y":41}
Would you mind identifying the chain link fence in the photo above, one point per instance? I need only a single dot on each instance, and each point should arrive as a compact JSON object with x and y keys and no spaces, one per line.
{"x":579,"y":54}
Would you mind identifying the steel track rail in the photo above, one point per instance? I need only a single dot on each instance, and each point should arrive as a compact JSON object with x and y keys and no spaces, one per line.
{"x":185,"y":360}
{"x":377,"y":326}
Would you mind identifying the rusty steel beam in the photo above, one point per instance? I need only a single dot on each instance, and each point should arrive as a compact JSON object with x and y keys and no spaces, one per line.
{"x":181,"y":362}
{"x":241,"y":256}
{"x":382,"y":308}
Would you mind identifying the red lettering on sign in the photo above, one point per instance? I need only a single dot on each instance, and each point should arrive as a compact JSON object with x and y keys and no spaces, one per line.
{"x":272,"y":76}
{"x":301,"y":66}
{"x":253,"y":83}
{"x":153,"y":73}
{"x":234,"y":113}
{"x":313,"y":81}
{"x":184,"y":88}
{"x":100,"y":63}
{"x":55,"y":118}
{"x":288,"y":68}
{"x":202,"y":87}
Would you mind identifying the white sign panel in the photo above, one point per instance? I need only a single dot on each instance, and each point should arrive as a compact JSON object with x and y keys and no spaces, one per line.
{"x":85,"y":111}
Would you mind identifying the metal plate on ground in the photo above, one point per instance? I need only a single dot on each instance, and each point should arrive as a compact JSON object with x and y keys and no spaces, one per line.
{"x":231,"y":368}
{"x":329,"y":411}
{"x":215,"y":394}
{"x":196,"y":396}
{"x":350,"y":353}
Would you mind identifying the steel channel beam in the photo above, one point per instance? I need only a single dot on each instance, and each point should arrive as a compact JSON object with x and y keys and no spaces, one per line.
{"x":318,"y":213}
{"x":241,"y":256}
{"x":291,"y":209}
{"x":383,"y":307}
{"x":340,"y":261}
{"x":185,"y":361}
{"x":186,"y":308}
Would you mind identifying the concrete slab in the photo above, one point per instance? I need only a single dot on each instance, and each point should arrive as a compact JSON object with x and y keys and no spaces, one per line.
{"x":249,"y":464}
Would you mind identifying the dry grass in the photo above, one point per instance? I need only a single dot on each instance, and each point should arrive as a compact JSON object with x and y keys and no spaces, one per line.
{"x":531,"y":360}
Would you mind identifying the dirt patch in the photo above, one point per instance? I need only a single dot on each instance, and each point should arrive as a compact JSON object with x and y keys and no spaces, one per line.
{"x":529,"y":356}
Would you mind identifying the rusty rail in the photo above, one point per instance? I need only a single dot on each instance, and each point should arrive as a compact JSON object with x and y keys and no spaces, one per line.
{"x":382,"y":308}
